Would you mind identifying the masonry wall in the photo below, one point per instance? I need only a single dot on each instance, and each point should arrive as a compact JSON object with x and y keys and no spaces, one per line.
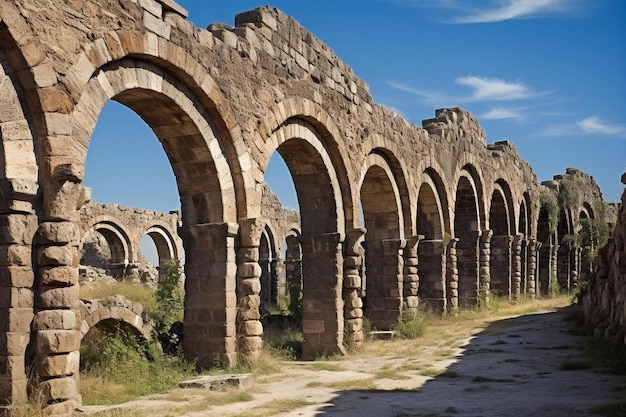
{"x":604,"y":301}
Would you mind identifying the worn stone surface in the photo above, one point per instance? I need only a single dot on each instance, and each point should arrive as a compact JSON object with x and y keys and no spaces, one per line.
{"x":222,"y":101}
{"x":604,"y":301}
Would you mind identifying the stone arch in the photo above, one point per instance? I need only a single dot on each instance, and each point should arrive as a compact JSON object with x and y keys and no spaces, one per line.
{"x":323,"y":227}
{"x":164,"y":243}
{"x":317,"y":124}
{"x":112,"y":313}
{"x":19,"y":174}
{"x":431,"y":251}
{"x":565,"y":259}
{"x":466,"y":229}
{"x":118,"y":242}
{"x":500,"y":213}
{"x":586,"y":208}
{"x":189,"y":137}
{"x":267,"y":262}
{"x":382,"y":213}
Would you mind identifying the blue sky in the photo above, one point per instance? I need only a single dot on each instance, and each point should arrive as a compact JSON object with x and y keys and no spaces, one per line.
{"x":548,"y":75}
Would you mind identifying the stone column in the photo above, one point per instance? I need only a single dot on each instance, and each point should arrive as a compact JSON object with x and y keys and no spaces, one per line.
{"x":531,"y":268}
{"x":432,"y":274}
{"x":500,"y":265}
{"x":210,"y":298}
{"x":322,"y":301}
{"x":452,"y":277}
{"x":516,"y":267}
{"x":18,"y":224}
{"x":352,"y":285}
{"x":484,"y":286}
{"x":56,"y":322}
{"x":293,"y":272}
{"x":383,"y":268}
{"x":554,"y":256}
{"x":411,"y":282}
{"x":575,"y":254}
{"x":249,"y":327}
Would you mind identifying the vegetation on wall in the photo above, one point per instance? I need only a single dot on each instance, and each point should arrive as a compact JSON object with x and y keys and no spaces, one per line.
{"x":550,"y":207}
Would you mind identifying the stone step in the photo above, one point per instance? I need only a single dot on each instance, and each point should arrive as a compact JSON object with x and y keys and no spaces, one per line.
{"x":218,"y":382}
{"x":382,"y":334}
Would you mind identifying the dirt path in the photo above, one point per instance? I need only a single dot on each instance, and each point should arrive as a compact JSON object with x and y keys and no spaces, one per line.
{"x":511,"y":368}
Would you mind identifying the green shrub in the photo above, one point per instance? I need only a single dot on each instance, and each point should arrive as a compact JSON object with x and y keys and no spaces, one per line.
{"x":412,"y":324}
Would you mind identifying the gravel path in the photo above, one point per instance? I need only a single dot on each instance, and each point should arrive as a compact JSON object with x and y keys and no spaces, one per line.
{"x":512,"y":368}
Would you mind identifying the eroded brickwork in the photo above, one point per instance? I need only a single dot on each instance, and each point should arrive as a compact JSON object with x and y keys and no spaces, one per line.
{"x":221,"y":101}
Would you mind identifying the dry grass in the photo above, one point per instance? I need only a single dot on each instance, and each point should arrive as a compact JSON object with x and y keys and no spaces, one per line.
{"x":139,"y":293}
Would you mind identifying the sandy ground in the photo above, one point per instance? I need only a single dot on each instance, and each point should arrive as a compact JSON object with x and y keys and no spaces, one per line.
{"x":512,"y":368}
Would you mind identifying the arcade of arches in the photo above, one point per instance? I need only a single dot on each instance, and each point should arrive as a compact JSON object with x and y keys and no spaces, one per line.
{"x":447,"y":217}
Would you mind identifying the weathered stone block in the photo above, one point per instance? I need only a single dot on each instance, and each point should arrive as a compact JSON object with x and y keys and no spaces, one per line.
{"x":14,"y":343}
{"x":249,"y":286}
{"x":16,"y":276}
{"x":57,"y":341}
{"x":249,"y":270}
{"x":55,"y":319}
{"x":57,"y":297}
{"x":60,"y":365}
{"x":15,"y":255}
{"x":58,"y":233}
{"x":59,"y":275}
{"x":58,"y":255}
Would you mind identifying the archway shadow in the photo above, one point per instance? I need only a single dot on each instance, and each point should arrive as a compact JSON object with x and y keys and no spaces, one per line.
{"x":511,"y":368}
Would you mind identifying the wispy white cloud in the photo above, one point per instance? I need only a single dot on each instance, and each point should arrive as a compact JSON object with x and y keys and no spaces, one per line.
{"x":500,"y":10}
{"x":427,"y":96}
{"x":593,"y":125}
{"x":484,"y":90}
{"x":494,"y":89}
{"x":499,"y":113}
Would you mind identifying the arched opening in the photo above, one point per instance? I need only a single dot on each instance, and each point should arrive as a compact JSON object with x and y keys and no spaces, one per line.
{"x":566,"y":261}
{"x":194,"y":149}
{"x":383,"y":261}
{"x":466,"y":229}
{"x":431,"y":249}
{"x":527,"y":288}
{"x":322,"y":223}
{"x":105,"y":253}
{"x":269,"y":279}
{"x":544,"y":257}
{"x":500,"y":254}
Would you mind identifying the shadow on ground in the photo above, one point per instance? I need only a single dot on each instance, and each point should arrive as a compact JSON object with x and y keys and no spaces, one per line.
{"x":515,"y":367}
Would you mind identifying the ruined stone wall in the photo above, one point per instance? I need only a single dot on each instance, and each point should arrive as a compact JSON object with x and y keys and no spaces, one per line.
{"x":221,"y":101}
{"x":604,"y":300}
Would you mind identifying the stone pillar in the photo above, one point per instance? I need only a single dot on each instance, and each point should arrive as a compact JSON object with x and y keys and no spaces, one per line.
{"x":18,"y":224}
{"x":249,"y":327}
{"x":575,"y":254}
{"x":384,"y":267}
{"x":516,"y":267}
{"x":531,"y":268}
{"x":411,"y":282}
{"x":554,"y":251}
{"x":352,"y":285}
{"x":210,"y":298}
{"x":500,"y":265}
{"x":432,"y":274}
{"x":484,"y":286}
{"x":322,"y":302}
{"x":467,"y":249}
{"x":293,"y":273}
{"x":57,"y":341}
{"x":274,"y":284}
{"x":452,"y":277}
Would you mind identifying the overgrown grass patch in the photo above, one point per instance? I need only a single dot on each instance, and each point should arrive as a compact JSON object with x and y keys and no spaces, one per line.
{"x":117,"y":367}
